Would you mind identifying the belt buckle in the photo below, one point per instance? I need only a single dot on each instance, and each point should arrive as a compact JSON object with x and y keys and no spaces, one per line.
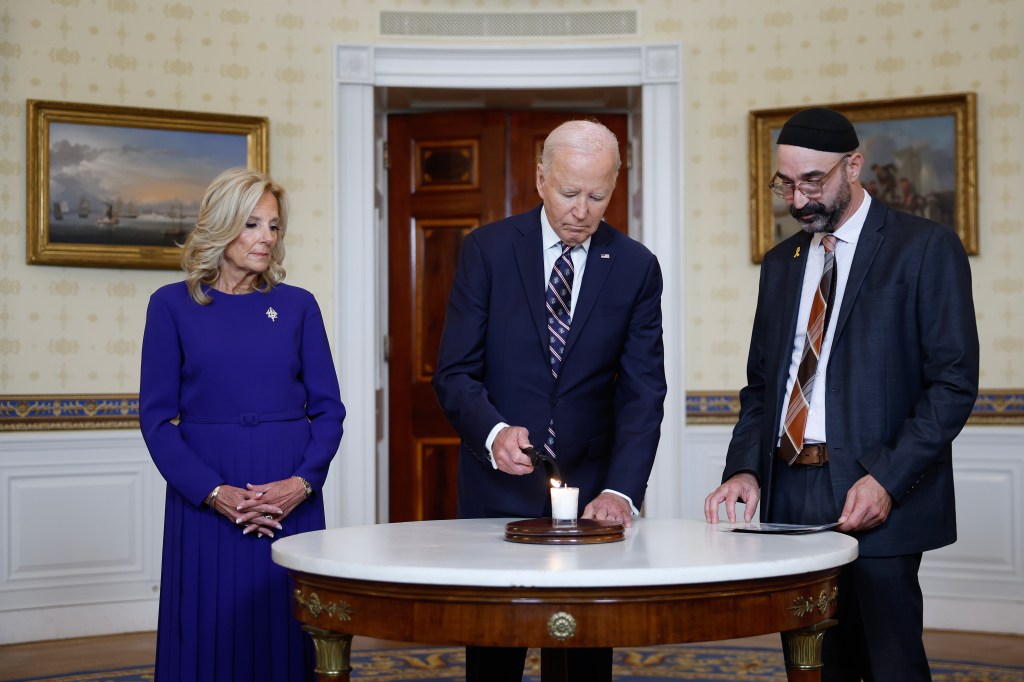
{"x":820,"y":451}
{"x":250,"y":419}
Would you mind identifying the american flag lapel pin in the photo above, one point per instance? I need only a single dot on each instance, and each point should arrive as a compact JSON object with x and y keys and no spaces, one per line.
{"x":605,"y":255}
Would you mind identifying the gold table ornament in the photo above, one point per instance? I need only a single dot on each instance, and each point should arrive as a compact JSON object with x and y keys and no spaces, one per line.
{"x":562,"y":626}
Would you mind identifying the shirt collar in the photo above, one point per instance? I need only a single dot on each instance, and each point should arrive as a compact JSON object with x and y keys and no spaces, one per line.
{"x":550,"y":239}
{"x":849,"y":231}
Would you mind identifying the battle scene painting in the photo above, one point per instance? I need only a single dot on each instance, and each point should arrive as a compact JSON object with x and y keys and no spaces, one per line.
{"x":919,"y":156}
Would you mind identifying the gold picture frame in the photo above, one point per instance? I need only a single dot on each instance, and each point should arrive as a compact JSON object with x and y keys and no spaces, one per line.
{"x":924,"y":148}
{"x":119,"y":186}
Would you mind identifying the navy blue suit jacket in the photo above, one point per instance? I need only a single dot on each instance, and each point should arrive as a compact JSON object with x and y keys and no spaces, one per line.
{"x":493,"y":367}
{"x":902,"y":377}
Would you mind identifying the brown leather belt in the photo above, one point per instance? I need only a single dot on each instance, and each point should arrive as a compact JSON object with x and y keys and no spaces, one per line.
{"x":813,"y":455}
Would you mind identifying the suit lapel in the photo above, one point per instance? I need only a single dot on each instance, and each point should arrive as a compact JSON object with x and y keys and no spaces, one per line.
{"x":867,"y":247}
{"x":600,"y":258}
{"x":791,"y":299}
{"x":795,"y":276}
{"x":529,"y":254}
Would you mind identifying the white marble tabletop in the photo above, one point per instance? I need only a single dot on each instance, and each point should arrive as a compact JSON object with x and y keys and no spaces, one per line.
{"x":473,"y":552}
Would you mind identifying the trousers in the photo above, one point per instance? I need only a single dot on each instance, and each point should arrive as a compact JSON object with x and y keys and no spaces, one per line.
{"x":880,"y":607}
{"x":505,"y":664}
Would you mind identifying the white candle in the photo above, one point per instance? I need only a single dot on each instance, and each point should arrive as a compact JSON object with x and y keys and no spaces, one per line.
{"x":563,"y":503}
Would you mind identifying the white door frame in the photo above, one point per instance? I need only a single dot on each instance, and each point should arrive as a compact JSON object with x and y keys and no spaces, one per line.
{"x":359,"y":295}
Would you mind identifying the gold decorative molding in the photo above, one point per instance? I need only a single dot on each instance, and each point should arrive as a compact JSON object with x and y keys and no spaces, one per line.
{"x":121,"y":411}
{"x":802,"y":648}
{"x":805,"y":605}
{"x":333,"y":653}
{"x":712,"y":407}
{"x":997,"y":406}
{"x":562,"y":626}
{"x":340,"y":609}
{"x":68,"y":413}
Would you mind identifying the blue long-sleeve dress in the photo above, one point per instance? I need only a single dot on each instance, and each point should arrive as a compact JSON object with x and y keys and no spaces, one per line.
{"x":251,"y":381}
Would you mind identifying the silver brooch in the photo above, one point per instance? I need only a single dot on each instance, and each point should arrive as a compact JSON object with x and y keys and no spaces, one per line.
{"x":272,"y":314}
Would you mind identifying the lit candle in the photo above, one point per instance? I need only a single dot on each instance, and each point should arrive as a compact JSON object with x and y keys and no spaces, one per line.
{"x":564,"y":501}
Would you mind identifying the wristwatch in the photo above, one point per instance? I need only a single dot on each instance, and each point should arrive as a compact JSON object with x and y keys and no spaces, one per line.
{"x":306,"y":485}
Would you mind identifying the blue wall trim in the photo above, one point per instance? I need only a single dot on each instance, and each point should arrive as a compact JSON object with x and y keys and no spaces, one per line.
{"x":62,"y":412}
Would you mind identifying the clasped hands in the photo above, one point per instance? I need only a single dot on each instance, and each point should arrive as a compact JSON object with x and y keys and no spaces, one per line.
{"x":867,"y":503}
{"x":260,"y":508}
{"x":507,"y":451}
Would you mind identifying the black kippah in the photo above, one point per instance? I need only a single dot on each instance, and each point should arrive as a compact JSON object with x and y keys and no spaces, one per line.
{"x":824,"y":130}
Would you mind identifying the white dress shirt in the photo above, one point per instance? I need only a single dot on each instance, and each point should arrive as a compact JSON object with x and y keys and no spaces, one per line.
{"x":846,"y":244}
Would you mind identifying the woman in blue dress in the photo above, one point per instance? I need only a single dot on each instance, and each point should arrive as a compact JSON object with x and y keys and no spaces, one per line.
{"x":241,"y":412}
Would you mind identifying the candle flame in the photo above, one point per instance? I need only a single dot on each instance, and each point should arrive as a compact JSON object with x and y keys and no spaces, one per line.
{"x":555,"y":483}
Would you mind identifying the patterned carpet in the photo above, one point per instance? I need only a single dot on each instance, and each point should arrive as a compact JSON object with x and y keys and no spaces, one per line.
{"x":641,"y":664}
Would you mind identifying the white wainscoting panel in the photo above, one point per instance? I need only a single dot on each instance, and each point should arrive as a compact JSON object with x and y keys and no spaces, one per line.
{"x":80,"y":531}
{"x":976,"y":584}
{"x":81,"y":526}
{"x":73,"y":524}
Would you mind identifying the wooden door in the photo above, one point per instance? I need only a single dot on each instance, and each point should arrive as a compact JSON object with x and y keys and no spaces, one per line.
{"x":448,"y":173}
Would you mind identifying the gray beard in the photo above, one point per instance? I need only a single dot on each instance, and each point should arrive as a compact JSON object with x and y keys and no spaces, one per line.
{"x":826,"y":218}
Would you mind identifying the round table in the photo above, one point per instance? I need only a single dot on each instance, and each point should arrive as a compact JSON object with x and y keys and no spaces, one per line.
{"x":459,"y":582}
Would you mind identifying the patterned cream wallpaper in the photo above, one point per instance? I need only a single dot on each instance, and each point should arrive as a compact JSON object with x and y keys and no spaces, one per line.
{"x":742,"y":56}
{"x":78,"y":330}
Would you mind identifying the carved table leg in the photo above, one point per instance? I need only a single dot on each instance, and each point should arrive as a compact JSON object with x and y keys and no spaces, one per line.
{"x":802,"y":651}
{"x":333,"y":654}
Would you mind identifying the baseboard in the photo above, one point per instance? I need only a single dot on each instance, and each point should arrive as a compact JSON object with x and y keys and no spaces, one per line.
{"x":32,"y":625}
{"x":974,"y":615}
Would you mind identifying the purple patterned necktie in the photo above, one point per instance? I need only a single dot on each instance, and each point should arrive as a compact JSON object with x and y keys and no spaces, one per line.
{"x":558,"y":301}
{"x":800,"y":397}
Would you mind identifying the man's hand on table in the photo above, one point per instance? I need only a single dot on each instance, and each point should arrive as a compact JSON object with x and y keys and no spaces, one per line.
{"x":609,"y":507}
{"x":742,"y":487}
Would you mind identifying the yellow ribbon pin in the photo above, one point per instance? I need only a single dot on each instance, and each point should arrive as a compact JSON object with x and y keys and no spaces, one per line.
{"x":796,"y":254}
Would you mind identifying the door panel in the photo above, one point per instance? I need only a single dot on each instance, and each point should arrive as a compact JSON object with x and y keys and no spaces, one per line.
{"x":527,"y":132}
{"x":438,"y":243}
{"x":436,"y":195}
{"x":447,"y":176}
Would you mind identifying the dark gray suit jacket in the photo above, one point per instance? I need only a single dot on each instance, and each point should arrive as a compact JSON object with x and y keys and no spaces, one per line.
{"x":902,"y":377}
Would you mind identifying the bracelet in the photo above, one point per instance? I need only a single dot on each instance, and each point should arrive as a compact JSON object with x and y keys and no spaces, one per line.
{"x":212,"y":497}
{"x":306,"y":485}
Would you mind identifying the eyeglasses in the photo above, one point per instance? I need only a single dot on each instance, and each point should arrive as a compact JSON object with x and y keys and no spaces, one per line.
{"x":812,"y":189}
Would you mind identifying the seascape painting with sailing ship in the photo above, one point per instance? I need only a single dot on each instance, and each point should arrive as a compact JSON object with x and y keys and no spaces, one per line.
{"x":132,"y":186}
{"x":159,"y":225}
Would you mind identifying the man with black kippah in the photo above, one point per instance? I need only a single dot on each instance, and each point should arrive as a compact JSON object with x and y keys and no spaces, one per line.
{"x":863,"y":368}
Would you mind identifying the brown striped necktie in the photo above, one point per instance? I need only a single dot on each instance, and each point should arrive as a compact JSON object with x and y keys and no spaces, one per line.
{"x":792,"y":441}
